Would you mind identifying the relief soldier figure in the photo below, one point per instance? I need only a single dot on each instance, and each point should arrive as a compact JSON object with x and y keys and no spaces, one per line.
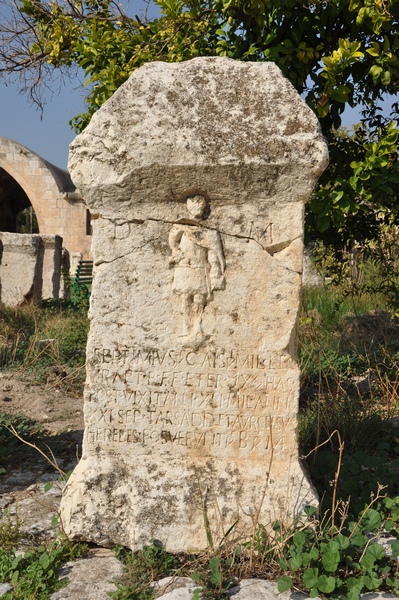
{"x":199,"y":265}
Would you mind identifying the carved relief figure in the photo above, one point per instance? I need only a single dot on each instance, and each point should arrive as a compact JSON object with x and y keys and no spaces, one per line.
{"x":198,"y":260}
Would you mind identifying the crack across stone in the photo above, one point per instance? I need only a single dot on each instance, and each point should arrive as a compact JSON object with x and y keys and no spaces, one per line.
{"x":271,"y":249}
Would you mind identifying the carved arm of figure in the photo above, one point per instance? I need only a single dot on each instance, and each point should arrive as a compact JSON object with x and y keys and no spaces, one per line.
{"x":216,"y":261}
{"x":175,"y":236}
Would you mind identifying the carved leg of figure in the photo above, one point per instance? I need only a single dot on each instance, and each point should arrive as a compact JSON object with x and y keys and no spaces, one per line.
{"x":199,"y":302}
{"x":187,"y":303}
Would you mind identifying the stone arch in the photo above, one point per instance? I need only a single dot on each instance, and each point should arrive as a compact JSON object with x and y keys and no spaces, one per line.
{"x":59,"y":208}
{"x":13,"y":200}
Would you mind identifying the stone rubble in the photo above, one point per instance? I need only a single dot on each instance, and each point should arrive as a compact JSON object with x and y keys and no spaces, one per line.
{"x":92,"y":577}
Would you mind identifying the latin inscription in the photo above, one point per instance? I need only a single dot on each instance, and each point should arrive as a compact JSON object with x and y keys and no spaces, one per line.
{"x":277,"y":437}
{"x":192,"y":399}
{"x":214,"y":399}
{"x":260,"y":233}
{"x":221,"y":358}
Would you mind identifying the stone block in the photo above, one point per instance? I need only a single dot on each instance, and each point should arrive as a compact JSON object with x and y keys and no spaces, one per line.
{"x":52,"y":265}
{"x":197,"y":174}
{"x":21,"y":268}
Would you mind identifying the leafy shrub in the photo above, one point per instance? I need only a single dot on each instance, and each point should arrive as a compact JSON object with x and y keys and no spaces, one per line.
{"x":143,"y":567}
{"x":34,"y":574}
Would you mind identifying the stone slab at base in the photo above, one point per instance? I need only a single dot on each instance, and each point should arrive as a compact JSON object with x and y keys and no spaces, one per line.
{"x":196,"y":175}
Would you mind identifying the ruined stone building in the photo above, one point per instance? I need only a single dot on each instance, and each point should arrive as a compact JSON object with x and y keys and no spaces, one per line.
{"x":27,"y":180}
{"x":41,"y":212}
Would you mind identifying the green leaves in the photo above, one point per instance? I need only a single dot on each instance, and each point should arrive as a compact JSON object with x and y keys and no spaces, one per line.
{"x":376,"y":176}
{"x":372,"y":521}
{"x":34,"y":574}
{"x":284,"y":584}
{"x":310,"y":577}
{"x":318,"y":583}
{"x":325,"y":584}
{"x":330,"y":560}
{"x":346,"y":563}
{"x":335,"y":72}
{"x":215,"y":578}
{"x":366,"y":185}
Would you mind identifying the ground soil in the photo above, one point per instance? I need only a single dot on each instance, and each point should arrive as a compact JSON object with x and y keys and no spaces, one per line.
{"x":47,"y":403}
{"x":61,"y":418}
{"x":24,"y":473}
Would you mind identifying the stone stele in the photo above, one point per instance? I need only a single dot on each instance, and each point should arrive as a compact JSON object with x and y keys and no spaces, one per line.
{"x":196,"y":175}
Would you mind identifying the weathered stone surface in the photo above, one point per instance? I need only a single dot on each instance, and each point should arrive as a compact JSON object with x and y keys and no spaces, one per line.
{"x":90,"y":578}
{"x":21,"y":268}
{"x":258,"y":589}
{"x":247,"y":589}
{"x":196,"y":175}
{"x":52,"y":261}
{"x":175,"y":588}
{"x":4,"y":588}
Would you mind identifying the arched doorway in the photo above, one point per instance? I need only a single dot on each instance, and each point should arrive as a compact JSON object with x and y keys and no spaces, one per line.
{"x":32,"y":187}
{"x":16,"y":211}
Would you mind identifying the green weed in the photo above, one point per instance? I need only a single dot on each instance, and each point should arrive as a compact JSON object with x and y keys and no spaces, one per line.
{"x":34,"y":574}
{"x":46,"y":342}
{"x":10,"y":531}
{"x":214,"y":578}
{"x":142,"y":568}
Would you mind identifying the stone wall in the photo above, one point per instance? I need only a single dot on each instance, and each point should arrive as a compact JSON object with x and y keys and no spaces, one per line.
{"x":30,"y":268}
{"x":21,"y":269}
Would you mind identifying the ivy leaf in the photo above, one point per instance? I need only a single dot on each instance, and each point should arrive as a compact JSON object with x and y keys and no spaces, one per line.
{"x":330,"y":560}
{"x":284,"y":584}
{"x":358,"y":539}
{"x":372,"y":581}
{"x":299,"y":538}
{"x":376,"y":551}
{"x":342,"y":541}
{"x":372,"y":519}
{"x":295,"y":562}
{"x":326,"y":584}
{"x":310,"y":577}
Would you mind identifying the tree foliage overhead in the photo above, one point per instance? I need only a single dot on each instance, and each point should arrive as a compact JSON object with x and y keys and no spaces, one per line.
{"x":337,"y":53}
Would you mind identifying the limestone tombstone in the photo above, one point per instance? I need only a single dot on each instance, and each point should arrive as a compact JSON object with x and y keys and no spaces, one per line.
{"x":21,"y":268}
{"x":196,"y":175}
